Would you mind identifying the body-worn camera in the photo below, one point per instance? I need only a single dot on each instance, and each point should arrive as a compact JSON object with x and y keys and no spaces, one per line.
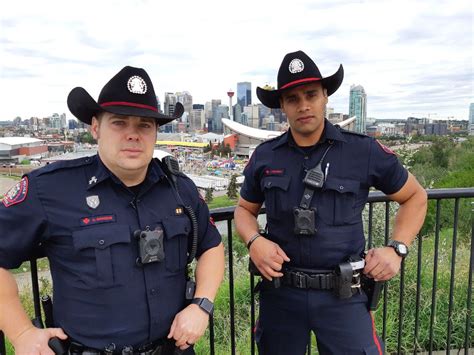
{"x":304,"y":221}
{"x":150,"y":246}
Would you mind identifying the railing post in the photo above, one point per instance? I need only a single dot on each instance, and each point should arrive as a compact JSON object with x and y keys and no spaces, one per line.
{"x":467,"y":342}
{"x":231,"y":286}
{"x":35,"y":289}
{"x":252,"y":314}
{"x":2,"y":344}
{"x":418,"y":294}
{"x":453,"y":270}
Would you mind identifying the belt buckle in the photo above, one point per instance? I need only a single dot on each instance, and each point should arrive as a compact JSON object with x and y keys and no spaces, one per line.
{"x":300,"y":279}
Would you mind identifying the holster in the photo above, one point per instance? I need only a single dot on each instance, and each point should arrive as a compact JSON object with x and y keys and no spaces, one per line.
{"x":255,"y":272}
{"x":344,"y":285}
{"x":373,"y":289}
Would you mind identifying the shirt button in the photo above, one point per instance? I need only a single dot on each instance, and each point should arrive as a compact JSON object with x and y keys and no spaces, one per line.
{"x":269,"y":183}
{"x":101,"y":242}
{"x":341,"y":187}
{"x":153,"y":291}
{"x":306,"y":157}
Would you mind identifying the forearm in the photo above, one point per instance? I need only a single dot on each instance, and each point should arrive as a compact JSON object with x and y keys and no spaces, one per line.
{"x":245,"y":223}
{"x":209,"y":272}
{"x":13,"y":319}
{"x":410,"y":218}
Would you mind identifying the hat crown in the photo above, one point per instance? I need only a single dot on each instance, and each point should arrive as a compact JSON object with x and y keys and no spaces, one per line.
{"x":129,"y":85}
{"x":297,"y":66}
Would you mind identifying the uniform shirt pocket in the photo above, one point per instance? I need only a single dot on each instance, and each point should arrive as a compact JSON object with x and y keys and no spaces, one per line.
{"x":275,"y":189}
{"x":336,"y":205}
{"x":101,"y":253}
{"x":177,"y":229}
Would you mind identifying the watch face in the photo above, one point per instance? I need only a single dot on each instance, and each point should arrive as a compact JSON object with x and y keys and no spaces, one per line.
{"x":402,"y":248}
{"x":207,"y":305}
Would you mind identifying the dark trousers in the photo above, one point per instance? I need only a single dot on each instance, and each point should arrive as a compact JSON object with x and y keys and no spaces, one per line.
{"x":288,"y":315}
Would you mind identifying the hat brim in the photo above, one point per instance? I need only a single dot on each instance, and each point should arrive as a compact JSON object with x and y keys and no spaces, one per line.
{"x":271,"y":98}
{"x":84,"y":107}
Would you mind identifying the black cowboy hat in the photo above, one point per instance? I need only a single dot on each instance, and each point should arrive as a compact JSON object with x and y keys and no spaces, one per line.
{"x":298,"y":69}
{"x":130,"y":93}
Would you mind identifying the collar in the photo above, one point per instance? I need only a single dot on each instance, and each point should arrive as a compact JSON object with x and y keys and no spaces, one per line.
{"x":330,"y":132}
{"x":99,"y":172}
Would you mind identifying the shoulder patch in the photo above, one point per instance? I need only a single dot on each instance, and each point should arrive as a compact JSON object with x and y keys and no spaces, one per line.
{"x":385,"y":148}
{"x":211,"y":221}
{"x":17,"y":193}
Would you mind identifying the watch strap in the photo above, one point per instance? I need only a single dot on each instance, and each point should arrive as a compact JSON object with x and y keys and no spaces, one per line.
{"x":204,"y":303}
{"x":395,"y":244}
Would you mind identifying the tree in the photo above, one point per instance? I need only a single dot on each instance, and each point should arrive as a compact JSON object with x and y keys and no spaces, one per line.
{"x":441,"y":150}
{"x":232,"y":188}
{"x":209,"y":196}
{"x":207,"y":148}
{"x":86,"y":137}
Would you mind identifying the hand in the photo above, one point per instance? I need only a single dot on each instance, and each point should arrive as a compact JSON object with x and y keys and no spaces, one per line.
{"x":268,"y":257}
{"x":188,"y":326}
{"x":382,"y":263}
{"x":34,"y":341}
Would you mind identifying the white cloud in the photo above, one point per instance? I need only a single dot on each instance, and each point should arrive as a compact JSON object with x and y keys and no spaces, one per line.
{"x":404,"y":53}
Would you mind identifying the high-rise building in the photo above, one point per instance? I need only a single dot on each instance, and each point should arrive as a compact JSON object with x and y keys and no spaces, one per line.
{"x":197,"y":118}
{"x":328,"y":111}
{"x":158,"y":104}
{"x":221,"y":111}
{"x":251,"y":113}
{"x":358,"y":107}
{"x":237,"y":109}
{"x":244,"y":94}
{"x":170,"y":103}
{"x":63,"y":121}
{"x":55,"y":121}
{"x":186,"y":99}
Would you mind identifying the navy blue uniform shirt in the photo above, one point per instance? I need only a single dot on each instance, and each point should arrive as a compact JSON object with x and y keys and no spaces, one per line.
{"x":275,"y":173}
{"x":84,"y":217}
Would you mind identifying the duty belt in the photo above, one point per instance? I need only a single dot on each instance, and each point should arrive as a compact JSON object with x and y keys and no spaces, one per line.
{"x":159,"y":347}
{"x":309,"y":280}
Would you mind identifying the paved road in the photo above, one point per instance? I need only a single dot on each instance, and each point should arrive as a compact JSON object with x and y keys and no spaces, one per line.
{"x":6,"y":183}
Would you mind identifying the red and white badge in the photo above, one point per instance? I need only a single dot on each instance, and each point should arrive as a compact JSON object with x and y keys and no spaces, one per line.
{"x":211,"y":221}
{"x":17,"y":193}
{"x":385,"y":148}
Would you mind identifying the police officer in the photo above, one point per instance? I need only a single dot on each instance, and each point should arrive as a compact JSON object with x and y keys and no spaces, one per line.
{"x":117,"y":230}
{"x":314,"y":180}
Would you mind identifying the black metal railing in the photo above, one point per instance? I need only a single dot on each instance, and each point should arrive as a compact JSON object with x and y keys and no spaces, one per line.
{"x":376,"y":237}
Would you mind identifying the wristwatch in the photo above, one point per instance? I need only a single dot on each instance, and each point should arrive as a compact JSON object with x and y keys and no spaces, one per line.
{"x":400,"y":248}
{"x":206,"y":305}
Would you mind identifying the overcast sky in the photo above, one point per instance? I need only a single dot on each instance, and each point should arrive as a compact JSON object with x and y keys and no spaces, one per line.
{"x":412,"y":57}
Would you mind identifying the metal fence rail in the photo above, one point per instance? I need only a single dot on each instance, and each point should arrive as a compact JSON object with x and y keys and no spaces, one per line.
{"x":375,"y":238}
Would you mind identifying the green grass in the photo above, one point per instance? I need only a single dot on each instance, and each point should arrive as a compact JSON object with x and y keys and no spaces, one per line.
{"x":42,"y":265}
{"x":440,"y":324}
{"x":221,"y":201}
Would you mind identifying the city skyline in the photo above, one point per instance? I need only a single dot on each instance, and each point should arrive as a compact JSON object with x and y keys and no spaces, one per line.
{"x":408,"y":56}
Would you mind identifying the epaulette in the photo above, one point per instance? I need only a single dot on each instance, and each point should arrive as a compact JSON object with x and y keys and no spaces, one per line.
{"x":272,"y":140}
{"x":64,"y":164}
{"x":342,"y":130}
